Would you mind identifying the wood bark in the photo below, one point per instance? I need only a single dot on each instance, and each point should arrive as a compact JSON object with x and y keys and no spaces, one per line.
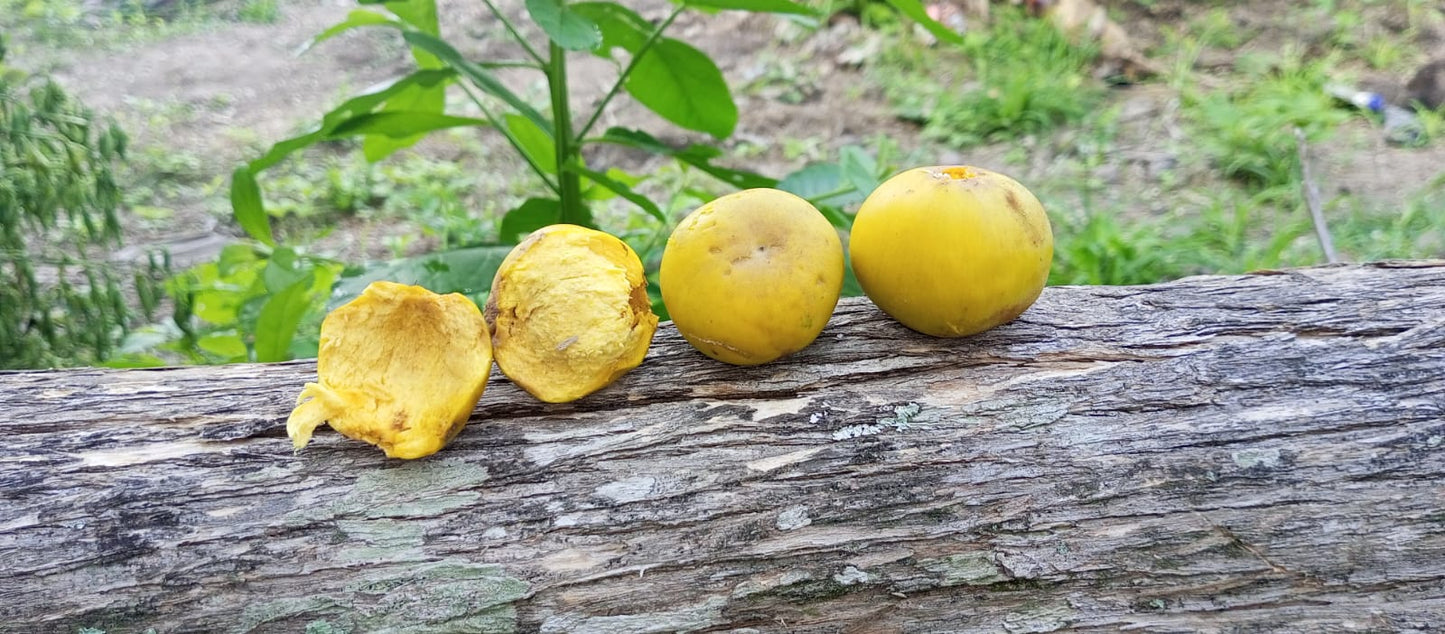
{"x":1229,"y":454}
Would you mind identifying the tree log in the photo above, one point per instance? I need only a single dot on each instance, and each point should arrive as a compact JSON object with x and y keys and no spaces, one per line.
{"x":1246,"y":453}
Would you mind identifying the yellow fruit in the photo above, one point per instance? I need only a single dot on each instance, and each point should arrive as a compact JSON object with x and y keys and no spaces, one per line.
{"x":569,"y":312}
{"x":752,"y":276}
{"x":399,"y":367}
{"x":951,"y":251}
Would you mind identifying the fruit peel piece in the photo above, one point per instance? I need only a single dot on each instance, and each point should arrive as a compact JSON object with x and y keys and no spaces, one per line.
{"x":569,"y":312}
{"x":399,"y":367}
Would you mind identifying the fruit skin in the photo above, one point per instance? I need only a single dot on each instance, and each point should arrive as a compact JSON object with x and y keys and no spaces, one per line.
{"x":752,"y":276}
{"x":399,"y":367}
{"x":951,"y":251}
{"x":569,"y":312}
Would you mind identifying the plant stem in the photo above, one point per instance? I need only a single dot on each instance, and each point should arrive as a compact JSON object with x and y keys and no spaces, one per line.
{"x":512,"y":30}
{"x":516,"y":145}
{"x":567,"y":151}
{"x":631,"y":64}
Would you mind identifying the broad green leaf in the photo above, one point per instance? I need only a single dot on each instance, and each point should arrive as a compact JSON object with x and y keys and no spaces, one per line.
{"x":568,"y":29}
{"x":535,"y":141}
{"x":356,"y":106}
{"x":851,"y":287}
{"x":233,"y":257}
{"x":282,"y":270}
{"x":249,"y":210}
{"x":421,"y":14}
{"x":823,"y":185}
{"x":228,"y":347}
{"x":431,"y":99}
{"x":480,"y":76}
{"x":356,"y":19}
{"x":812,"y":181}
{"x":699,"y":156}
{"x":530,"y":216}
{"x":620,"y":27}
{"x":683,"y":85}
{"x":279,"y":317}
{"x":915,"y":11}
{"x":758,"y":6}
{"x":859,"y":169}
{"x":621,"y":189}
{"x":403,"y":123}
{"x":467,"y":271}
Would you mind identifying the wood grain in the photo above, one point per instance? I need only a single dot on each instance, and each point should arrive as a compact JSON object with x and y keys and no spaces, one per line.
{"x":1229,"y":454}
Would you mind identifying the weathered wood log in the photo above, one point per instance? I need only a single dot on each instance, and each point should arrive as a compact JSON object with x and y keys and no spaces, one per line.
{"x":1250,"y":453}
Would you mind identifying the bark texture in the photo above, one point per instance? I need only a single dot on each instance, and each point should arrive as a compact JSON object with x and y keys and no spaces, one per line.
{"x":1231,"y":454}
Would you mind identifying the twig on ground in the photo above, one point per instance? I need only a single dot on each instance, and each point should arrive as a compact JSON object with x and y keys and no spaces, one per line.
{"x":1312,"y":199}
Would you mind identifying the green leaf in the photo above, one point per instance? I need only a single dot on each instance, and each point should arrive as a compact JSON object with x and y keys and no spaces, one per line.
{"x":354,"y":107}
{"x":567,"y":28}
{"x":851,"y":287}
{"x":356,"y":19}
{"x":480,"y":76}
{"x":467,"y":271}
{"x":535,"y":141}
{"x":249,"y":210}
{"x":758,"y":6}
{"x":421,"y":14}
{"x":233,"y":257}
{"x":282,"y":270}
{"x":684,"y":86}
{"x":814,"y":180}
{"x":228,"y":347}
{"x":620,"y":26}
{"x":915,"y":11}
{"x":403,"y":123}
{"x":277,"y":323}
{"x":621,"y":189}
{"x":859,"y":169}
{"x":432,"y":99}
{"x":699,"y":156}
{"x":530,"y":216}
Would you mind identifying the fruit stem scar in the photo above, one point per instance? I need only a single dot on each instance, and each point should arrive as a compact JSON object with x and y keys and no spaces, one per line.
{"x":957,"y":173}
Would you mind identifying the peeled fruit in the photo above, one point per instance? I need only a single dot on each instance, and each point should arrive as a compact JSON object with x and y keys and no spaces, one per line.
{"x":569,"y":312}
{"x":752,"y":276}
{"x":952,"y":251}
{"x":399,"y":367}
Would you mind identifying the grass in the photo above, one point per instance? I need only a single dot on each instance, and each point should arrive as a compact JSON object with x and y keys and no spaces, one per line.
{"x":259,"y":11}
{"x":1021,"y":77}
{"x":1248,"y":131}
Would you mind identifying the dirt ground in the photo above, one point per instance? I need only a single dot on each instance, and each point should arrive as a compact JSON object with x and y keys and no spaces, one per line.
{"x":235,"y":87}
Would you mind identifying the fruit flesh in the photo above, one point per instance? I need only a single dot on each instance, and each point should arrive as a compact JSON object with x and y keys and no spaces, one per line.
{"x":951,"y":251}
{"x":752,"y":276}
{"x":569,"y":312}
{"x":399,"y":367}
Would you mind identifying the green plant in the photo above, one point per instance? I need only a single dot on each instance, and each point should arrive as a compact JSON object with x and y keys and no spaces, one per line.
{"x":667,"y":76}
{"x":1025,"y":77}
{"x":250,"y":305}
{"x":58,"y":201}
{"x":259,"y":11}
{"x":1248,"y":132}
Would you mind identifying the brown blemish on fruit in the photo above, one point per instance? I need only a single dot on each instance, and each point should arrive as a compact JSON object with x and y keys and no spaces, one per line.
{"x":1012,"y":200}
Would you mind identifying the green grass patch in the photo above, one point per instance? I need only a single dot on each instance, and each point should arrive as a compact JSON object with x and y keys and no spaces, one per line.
{"x":1019,"y":77}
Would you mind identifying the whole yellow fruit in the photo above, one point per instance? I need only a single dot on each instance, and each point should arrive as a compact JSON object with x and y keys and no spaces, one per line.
{"x":752,"y":276}
{"x":399,"y":367}
{"x":569,"y":312}
{"x":952,"y":251}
